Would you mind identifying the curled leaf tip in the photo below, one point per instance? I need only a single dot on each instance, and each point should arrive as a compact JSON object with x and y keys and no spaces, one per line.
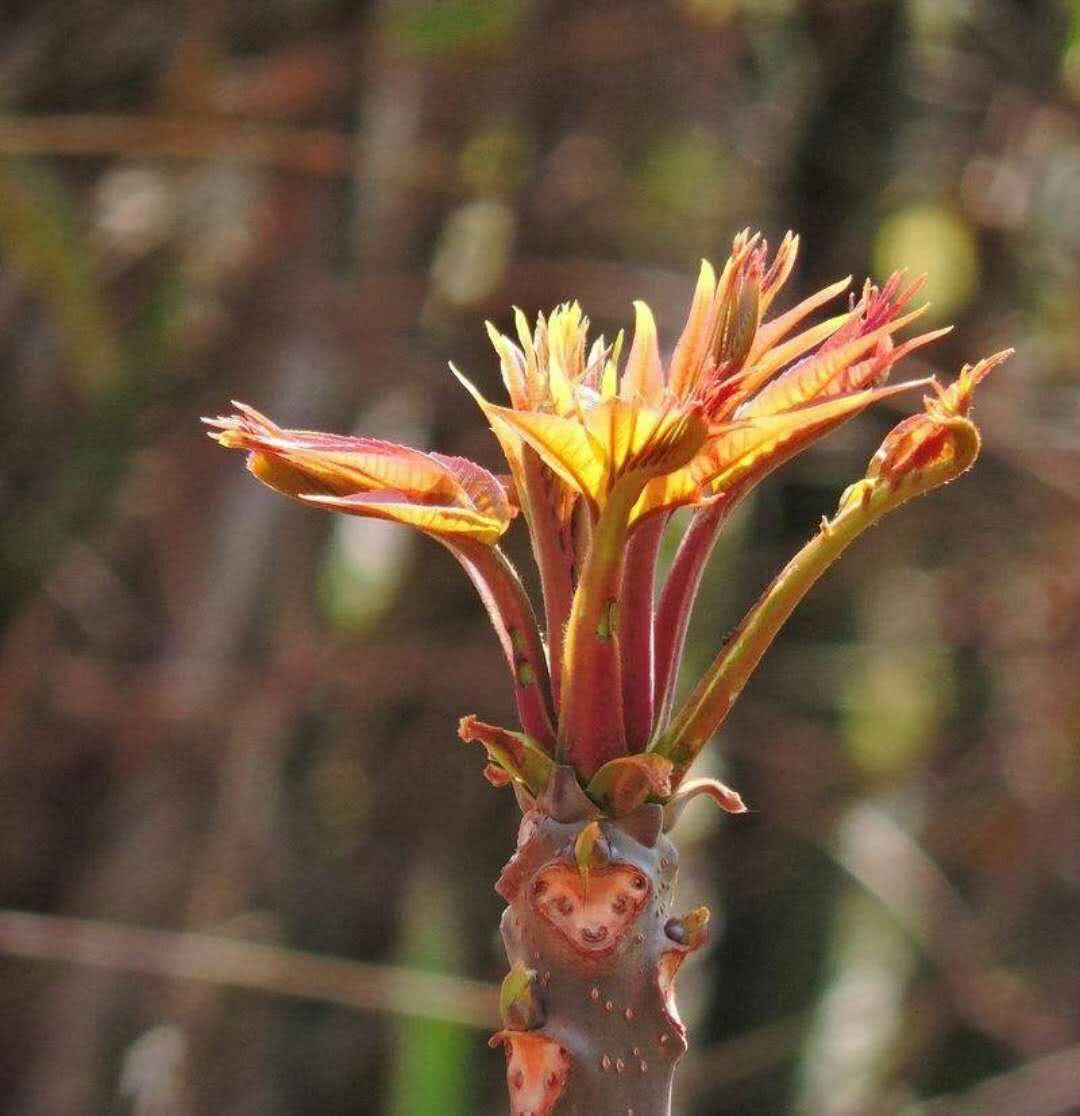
{"x":447,"y":497}
{"x":497,"y":776}
{"x":729,"y":800}
{"x":956,"y":398}
{"x":522,"y":758}
{"x":936,"y":446}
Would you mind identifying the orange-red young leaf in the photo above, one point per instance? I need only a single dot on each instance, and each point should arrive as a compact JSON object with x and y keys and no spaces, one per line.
{"x":448,"y":497}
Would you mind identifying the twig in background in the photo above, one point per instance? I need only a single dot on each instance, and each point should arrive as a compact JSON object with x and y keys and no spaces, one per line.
{"x":230,"y":962}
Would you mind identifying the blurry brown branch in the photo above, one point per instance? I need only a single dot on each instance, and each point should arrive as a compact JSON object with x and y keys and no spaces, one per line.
{"x":1048,"y":1086}
{"x":744,"y":1055}
{"x":308,"y":150}
{"x":233,"y":963}
{"x":890,"y":864}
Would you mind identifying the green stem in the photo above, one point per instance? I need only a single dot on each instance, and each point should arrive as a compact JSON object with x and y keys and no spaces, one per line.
{"x":722,"y":683}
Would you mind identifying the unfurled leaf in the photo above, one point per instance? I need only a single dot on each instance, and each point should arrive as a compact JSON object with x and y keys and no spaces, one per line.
{"x":772,"y":332}
{"x":613,"y":439}
{"x":562,"y":443}
{"x":432,"y":519}
{"x":752,"y":447}
{"x":448,"y":497}
{"x":335,"y":463}
{"x":823,"y":374}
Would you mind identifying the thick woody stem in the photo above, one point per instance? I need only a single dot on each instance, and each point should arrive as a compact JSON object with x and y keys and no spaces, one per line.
{"x":590,"y":1024}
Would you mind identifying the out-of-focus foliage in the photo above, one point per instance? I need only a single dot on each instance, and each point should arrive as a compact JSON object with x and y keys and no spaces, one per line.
{"x":225,"y":714}
{"x":433,"y":1059}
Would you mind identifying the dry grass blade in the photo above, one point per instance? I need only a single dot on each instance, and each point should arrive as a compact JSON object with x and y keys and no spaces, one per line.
{"x":310,"y":151}
{"x":230,"y":962}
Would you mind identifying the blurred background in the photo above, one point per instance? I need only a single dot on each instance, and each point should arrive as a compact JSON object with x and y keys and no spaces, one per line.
{"x":229,"y":718}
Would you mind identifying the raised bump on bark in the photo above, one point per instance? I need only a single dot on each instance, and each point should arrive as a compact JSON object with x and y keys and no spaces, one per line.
{"x":536,"y":1071}
{"x":644,"y":824}
{"x":564,"y":800}
{"x":593,"y":915}
{"x":687,"y":935}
